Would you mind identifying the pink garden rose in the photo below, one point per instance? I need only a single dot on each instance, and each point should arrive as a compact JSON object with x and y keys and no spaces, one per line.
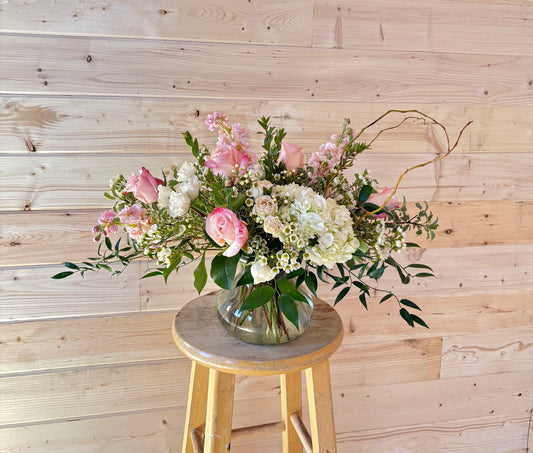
{"x":292,"y":156}
{"x":226,"y":160}
{"x":223,"y":226}
{"x":144,"y":186}
{"x":379,"y":198}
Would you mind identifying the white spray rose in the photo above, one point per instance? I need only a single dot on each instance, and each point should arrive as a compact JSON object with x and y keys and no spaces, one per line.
{"x":265,"y":206}
{"x":262,"y":272}
{"x":272,"y":225}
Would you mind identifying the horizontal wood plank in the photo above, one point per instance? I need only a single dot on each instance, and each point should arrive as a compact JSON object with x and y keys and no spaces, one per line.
{"x":487,"y":434}
{"x":78,"y":125}
{"x":61,"y":66}
{"x":500,"y":351}
{"x":30,"y":293}
{"x":446,"y":26}
{"x":43,"y":182}
{"x":25,"y":236}
{"x":264,"y":22}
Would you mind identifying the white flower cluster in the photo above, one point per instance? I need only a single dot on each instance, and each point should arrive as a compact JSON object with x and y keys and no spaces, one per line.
{"x":178,"y":200}
{"x":309,"y":223}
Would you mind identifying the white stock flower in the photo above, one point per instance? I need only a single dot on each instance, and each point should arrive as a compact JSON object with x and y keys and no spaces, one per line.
{"x":191,"y":188}
{"x":178,"y":204}
{"x":163,"y":196}
{"x":261,"y":271}
{"x":186,"y":172}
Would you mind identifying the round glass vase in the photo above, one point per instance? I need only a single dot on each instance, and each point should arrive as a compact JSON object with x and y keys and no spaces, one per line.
{"x":265,"y":325}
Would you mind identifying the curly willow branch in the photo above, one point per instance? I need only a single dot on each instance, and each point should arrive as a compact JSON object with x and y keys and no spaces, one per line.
{"x":442,"y":156}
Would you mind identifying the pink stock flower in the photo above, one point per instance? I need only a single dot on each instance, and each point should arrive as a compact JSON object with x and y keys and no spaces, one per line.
{"x":224,"y":227}
{"x":325,"y":159}
{"x":227,"y":160}
{"x":107,"y":222}
{"x":215,"y":120}
{"x":135,"y":220}
{"x":144,"y":186}
{"x":292,"y":156}
{"x":379,"y":198}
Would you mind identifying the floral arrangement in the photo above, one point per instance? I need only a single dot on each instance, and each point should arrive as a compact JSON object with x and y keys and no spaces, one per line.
{"x":286,"y":221}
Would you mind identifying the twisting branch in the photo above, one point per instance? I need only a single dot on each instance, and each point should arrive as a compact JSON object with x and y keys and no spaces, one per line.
{"x":442,"y":156}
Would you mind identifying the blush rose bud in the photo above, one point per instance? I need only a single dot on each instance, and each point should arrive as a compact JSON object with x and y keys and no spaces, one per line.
{"x":223,"y":226}
{"x":292,"y":156}
{"x":144,"y":186}
{"x":379,"y":198}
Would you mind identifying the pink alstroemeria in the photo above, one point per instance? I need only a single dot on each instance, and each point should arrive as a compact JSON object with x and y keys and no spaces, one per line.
{"x":144,"y":186}
{"x":224,"y":227}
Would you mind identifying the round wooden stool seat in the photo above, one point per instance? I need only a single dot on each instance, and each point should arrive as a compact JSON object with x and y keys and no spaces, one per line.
{"x":199,"y":335}
{"x":217,"y":357}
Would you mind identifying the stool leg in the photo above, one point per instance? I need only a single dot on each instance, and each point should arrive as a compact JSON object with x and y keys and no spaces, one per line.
{"x":321,"y":408}
{"x":196,"y":403}
{"x":291,"y":402}
{"x":219,"y":414}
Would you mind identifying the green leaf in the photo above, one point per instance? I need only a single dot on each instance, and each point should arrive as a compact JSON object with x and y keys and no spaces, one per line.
{"x":362,"y":298}
{"x":407,"y":317}
{"x":311,"y":282}
{"x":286,"y":287}
{"x":418,"y":266}
{"x":246,"y":278}
{"x":173,"y":265}
{"x":341,"y":295}
{"x":419,"y":321}
{"x":411,"y":244}
{"x":424,"y":274}
{"x":108,"y":244}
{"x":152,"y":274}
{"x":376,"y":274}
{"x":295,"y":274}
{"x":288,"y":308}
{"x":200,"y":275}
{"x":386,"y":297}
{"x":258,"y":297}
{"x":365,"y":192}
{"x":320,"y":273}
{"x":409,"y":303}
{"x":62,"y":275}
{"x":223,"y":270}
{"x":71,"y":266}
{"x":236,"y":203}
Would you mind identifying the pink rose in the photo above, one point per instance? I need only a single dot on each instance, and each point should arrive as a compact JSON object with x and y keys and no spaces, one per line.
{"x":226,"y":160}
{"x":223,"y":226}
{"x":379,"y":199}
{"x":291,"y":156}
{"x":144,"y":186}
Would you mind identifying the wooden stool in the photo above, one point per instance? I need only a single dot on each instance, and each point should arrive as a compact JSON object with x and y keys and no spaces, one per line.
{"x":217,"y":357}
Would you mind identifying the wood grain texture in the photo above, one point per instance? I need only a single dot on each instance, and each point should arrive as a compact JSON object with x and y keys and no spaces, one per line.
{"x":25,"y":236}
{"x":42,"y":182}
{"x":30,"y":292}
{"x":29,"y":347}
{"x":500,"y":351}
{"x":79,"y":124}
{"x":265,"y":22}
{"x":446,"y":26}
{"x":59,"y":66}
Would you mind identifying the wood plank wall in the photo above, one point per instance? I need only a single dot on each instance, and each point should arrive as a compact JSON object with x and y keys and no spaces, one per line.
{"x":93,"y":88}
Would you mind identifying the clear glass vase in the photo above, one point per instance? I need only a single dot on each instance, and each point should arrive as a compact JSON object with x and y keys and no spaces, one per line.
{"x":265,"y":325}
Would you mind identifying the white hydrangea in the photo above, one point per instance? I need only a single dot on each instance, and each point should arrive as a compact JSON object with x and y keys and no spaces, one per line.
{"x":307,"y":216}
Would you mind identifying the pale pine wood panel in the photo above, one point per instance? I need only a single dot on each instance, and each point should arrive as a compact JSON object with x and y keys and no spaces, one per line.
{"x":154,"y":431}
{"x":44,"y":182}
{"x":95,"y":341}
{"x":484,"y":434}
{"x":447,"y":26}
{"x":29,"y":293}
{"x":265,"y":22}
{"x":26,"y":236}
{"x":52,"y":66}
{"x":63,"y":344}
{"x":505,"y":269}
{"x":36,"y":124}
{"x":432,"y":401}
{"x":487,"y":353}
